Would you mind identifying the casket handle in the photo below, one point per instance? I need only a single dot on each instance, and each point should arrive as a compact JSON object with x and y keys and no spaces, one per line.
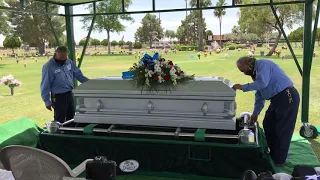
{"x":150,"y":107}
{"x":99,"y":105}
{"x":205,"y":109}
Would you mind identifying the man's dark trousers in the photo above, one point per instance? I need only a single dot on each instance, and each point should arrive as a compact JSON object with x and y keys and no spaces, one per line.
{"x":279,"y":123}
{"x":63,"y":107}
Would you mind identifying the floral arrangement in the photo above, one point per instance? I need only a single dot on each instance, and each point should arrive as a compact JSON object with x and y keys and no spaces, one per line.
{"x":155,"y":73}
{"x":10,"y":81}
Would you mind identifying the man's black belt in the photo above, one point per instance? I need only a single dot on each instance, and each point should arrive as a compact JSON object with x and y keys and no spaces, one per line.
{"x":68,"y":92}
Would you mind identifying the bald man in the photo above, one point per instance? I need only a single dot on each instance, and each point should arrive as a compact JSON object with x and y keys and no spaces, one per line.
{"x":271,"y":83}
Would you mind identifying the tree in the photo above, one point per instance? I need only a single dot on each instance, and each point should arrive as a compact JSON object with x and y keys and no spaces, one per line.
{"x":95,"y":43}
{"x":129,"y":43}
{"x":105,"y":42}
{"x":109,"y":23}
{"x":318,"y":36}
{"x":150,"y":27}
{"x":167,"y":33}
{"x":235,"y":30}
{"x":121,"y":43}
{"x":208,"y":33}
{"x":202,"y":3}
{"x":12,"y":42}
{"x":137,"y":45}
{"x":32,"y":44}
{"x":81,"y":42}
{"x":54,"y":43}
{"x":230,"y":37}
{"x":180,"y":34}
{"x":259,"y":20}
{"x":296,"y":35}
{"x":114,"y":44}
{"x":189,"y":28}
{"x":243,"y":37}
{"x":170,"y":34}
{"x":248,"y":37}
{"x":219,"y":13}
{"x":34,"y":28}
{"x":4,"y":27}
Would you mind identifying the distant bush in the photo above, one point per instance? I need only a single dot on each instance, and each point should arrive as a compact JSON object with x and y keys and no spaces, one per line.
{"x":240,"y":46}
{"x":186,"y":48}
{"x":228,"y":44}
{"x":137,"y":45}
{"x":232,"y":47}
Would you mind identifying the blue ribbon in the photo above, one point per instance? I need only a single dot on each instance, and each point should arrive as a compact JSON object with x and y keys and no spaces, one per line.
{"x":147,"y":59}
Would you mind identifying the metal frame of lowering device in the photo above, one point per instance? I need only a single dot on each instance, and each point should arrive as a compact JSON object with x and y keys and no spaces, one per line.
{"x":309,"y":36}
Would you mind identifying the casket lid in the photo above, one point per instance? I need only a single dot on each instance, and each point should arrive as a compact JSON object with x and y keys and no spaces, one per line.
{"x":216,"y":86}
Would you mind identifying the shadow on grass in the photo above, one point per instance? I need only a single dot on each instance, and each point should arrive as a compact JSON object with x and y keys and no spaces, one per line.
{"x":315,"y":145}
{"x":289,"y":56}
{"x":302,"y":152}
{"x":2,"y":65}
{"x":99,"y":55}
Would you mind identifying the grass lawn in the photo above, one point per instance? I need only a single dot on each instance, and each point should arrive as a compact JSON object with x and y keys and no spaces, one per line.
{"x":27,"y":100}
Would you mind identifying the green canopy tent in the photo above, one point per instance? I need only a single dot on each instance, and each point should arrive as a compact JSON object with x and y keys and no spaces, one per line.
{"x":307,"y":130}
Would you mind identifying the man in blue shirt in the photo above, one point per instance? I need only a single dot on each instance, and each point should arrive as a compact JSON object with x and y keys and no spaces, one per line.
{"x":272,"y":83}
{"x":57,"y":83}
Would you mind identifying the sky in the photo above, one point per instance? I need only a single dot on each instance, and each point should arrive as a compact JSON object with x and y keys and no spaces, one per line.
{"x":170,"y":21}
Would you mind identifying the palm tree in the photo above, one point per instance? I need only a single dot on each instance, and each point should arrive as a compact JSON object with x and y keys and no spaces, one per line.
{"x":219,"y":13}
{"x":202,"y":3}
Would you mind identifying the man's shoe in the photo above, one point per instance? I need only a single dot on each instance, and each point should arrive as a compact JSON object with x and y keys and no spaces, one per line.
{"x":249,"y":175}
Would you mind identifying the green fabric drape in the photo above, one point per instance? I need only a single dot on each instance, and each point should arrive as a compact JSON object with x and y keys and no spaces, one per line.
{"x":156,"y":155}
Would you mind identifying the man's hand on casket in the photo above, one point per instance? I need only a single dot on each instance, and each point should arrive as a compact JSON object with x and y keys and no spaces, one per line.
{"x":237,"y":86}
{"x":254,"y":118}
{"x":50,"y":107}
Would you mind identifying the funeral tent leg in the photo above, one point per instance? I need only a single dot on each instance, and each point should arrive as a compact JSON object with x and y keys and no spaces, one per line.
{"x":307,"y":130}
{"x":88,"y":36}
{"x":70,"y":35}
{"x":286,"y":38}
{"x":51,"y":26}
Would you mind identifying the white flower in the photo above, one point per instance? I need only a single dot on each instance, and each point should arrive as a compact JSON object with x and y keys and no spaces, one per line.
{"x":150,"y":73}
{"x":10,"y":77}
{"x":7,"y":79}
{"x":157,"y":68}
{"x":160,"y":79}
{"x":173,"y":71}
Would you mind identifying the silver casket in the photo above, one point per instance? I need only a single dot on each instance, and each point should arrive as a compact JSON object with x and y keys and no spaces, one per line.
{"x":203,"y":103}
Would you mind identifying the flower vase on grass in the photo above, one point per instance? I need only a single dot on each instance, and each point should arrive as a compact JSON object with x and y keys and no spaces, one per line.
{"x":10,"y":82}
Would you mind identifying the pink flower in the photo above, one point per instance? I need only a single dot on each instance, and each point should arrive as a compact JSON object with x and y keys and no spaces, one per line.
{"x":9,"y":81}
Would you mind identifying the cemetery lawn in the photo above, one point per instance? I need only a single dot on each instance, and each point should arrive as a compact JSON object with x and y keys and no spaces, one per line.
{"x":27,"y":100}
